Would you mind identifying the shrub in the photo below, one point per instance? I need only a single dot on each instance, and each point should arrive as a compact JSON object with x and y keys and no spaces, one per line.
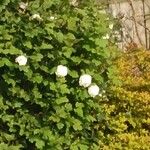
{"x":128,"y":109}
{"x":42,"y":108}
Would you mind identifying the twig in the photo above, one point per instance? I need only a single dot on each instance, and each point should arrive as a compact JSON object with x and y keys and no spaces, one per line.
{"x":143,"y":2}
{"x":135,"y":22}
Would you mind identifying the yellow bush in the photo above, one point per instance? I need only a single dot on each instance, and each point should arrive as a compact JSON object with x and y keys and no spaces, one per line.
{"x":128,"y":105}
{"x":134,"y":73}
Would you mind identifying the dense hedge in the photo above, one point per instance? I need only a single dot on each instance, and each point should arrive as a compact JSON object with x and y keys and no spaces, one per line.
{"x":39,"y":108}
{"x":128,"y":109}
{"x":45,"y":48}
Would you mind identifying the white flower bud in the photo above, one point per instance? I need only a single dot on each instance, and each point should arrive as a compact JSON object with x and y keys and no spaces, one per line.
{"x":106,"y":37}
{"x":93,"y":90}
{"x":21,"y":60}
{"x":100,"y":95}
{"x":85,"y":80}
{"x":111,"y":26}
{"x":51,"y":17}
{"x":74,"y":3}
{"x":36,"y":16}
{"x":103,"y":91}
{"x":23,"y":5}
{"x":61,"y":71}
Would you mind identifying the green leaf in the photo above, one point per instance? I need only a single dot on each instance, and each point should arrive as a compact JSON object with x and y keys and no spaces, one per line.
{"x":4,"y":3}
{"x":60,"y":111}
{"x":68,"y":106}
{"x":70,"y":40}
{"x":79,"y":111}
{"x":59,"y":36}
{"x":98,"y":78}
{"x":73,"y":74}
{"x":53,"y":86}
{"x":37,"y":57}
{"x":77,"y":125}
{"x":7,"y":62}
{"x":2,"y":105}
{"x":47,"y":4}
{"x":74,"y":147}
{"x":72,"y":24}
{"x":67,"y":51}
{"x":46,"y":46}
{"x":90,"y":118}
{"x":54,"y":118}
{"x":101,"y":42}
{"x":76,"y":59}
{"x":61,"y":100}
{"x":39,"y":143}
{"x":79,"y":105}
{"x":28,"y":44}
{"x":36,"y":93}
{"x":96,"y":62}
{"x":10,"y":81}
{"x":11,"y":51}
{"x":37,"y":78}
{"x":83,"y":147}
{"x":60,"y":125}
{"x":24,"y":69}
{"x":64,"y":89}
{"x":87,"y":47}
{"x":1,"y":63}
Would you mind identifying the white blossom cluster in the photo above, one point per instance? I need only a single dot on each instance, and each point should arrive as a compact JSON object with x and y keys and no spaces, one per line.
{"x":85,"y":80}
{"x":61,"y":71}
{"x":23,"y":5}
{"x":93,"y":90}
{"x":36,"y":17}
{"x":21,"y":60}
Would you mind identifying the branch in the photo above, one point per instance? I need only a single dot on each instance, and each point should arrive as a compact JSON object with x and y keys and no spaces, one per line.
{"x":135,"y":22}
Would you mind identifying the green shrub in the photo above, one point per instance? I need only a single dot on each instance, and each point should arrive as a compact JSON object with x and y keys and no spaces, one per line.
{"x":128,"y":109}
{"x":40,"y":110}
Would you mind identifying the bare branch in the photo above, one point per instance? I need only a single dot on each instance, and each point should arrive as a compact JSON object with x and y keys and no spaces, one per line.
{"x":135,"y":22}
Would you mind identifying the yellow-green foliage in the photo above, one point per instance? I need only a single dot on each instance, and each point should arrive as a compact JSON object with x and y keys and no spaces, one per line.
{"x":134,"y":72}
{"x":128,"y":107}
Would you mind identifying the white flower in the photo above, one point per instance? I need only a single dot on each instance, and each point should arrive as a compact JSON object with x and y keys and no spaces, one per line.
{"x":85,"y":80}
{"x":93,"y":90}
{"x":51,"y":17}
{"x":100,"y":95}
{"x":106,"y":37}
{"x":36,"y":16}
{"x":103,"y":91}
{"x":61,"y":71}
{"x":21,"y":60}
{"x":74,"y":3}
{"x":23,"y":5}
{"x":111,"y":26}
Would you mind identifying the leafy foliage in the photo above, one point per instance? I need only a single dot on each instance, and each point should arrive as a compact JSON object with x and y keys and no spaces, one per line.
{"x":128,"y":109}
{"x":38,"y":109}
